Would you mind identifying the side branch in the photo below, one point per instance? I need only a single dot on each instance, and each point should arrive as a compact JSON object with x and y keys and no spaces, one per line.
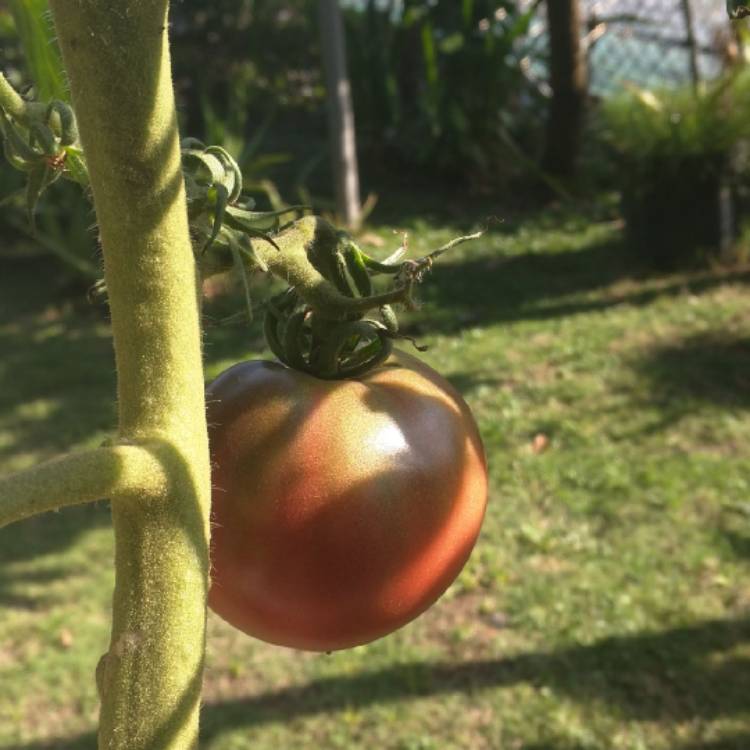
{"x":80,"y":478}
{"x":15,"y":106}
{"x":10,"y":100}
{"x":289,"y":259}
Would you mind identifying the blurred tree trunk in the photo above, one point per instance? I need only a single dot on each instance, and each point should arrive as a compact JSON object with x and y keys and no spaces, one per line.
{"x":568,"y":77}
{"x":692,"y":42}
{"x":340,"y":113}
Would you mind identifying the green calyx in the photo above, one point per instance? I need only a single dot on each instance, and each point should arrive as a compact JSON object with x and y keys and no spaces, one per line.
{"x":42,"y":140}
{"x":321,"y":324}
{"x":340,"y":341}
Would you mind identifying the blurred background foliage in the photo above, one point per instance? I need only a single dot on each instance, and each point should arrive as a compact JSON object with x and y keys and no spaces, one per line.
{"x":409,"y":64}
{"x":439,"y":87}
{"x":455,"y":94}
{"x":682,"y":168}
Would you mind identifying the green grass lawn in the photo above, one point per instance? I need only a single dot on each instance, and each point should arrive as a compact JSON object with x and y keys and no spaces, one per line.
{"x":607,"y":604}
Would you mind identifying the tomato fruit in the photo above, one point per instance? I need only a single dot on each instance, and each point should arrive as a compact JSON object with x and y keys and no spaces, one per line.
{"x":342,"y":509}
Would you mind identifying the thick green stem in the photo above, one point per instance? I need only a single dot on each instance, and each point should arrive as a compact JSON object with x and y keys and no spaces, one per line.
{"x":117,"y":59}
{"x":81,"y":478}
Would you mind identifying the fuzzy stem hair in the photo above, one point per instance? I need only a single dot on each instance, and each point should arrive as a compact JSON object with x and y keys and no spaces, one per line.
{"x":117,"y":58}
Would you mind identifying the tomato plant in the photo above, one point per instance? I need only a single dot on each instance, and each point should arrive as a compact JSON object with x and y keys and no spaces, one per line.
{"x":341,"y":509}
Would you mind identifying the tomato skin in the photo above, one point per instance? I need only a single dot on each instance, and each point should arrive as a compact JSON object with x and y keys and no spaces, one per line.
{"x":341,"y":510}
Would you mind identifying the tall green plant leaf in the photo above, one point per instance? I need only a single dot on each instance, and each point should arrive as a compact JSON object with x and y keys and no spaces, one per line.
{"x":468,"y":13}
{"x":34,"y":27}
{"x":430,"y":61}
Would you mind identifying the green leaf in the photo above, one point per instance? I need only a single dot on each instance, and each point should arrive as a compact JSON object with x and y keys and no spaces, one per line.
{"x":390,"y":321}
{"x":260,"y":235}
{"x":43,"y":135}
{"x":338,"y":275}
{"x":238,"y":219}
{"x":468,"y":14}
{"x":390,"y":265}
{"x":355,"y":265}
{"x":248,"y":251}
{"x":33,"y":24}
{"x":75,"y":166}
{"x":40,"y":177}
{"x":254,"y":218}
{"x":192,"y":144}
{"x":233,"y":173}
{"x":207,"y":169}
{"x":15,"y":140}
{"x":13,"y":158}
{"x":220,"y":205}
{"x":293,"y":340}
{"x":68,"y":127}
{"x":451,"y":43}
{"x":240,"y":268}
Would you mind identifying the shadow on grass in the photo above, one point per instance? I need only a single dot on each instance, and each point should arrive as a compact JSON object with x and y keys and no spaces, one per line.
{"x":56,"y":389}
{"x":733,"y":742}
{"x":547,"y":285}
{"x":489,"y":287}
{"x":709,"y":368}
{"x":676,"y":675}
{"x":57,"y":375}
{"x":36,"y":537}
{"x":740,"y":544}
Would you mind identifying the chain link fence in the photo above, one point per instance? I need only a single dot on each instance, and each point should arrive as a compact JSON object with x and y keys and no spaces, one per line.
{"x":649,"y":43}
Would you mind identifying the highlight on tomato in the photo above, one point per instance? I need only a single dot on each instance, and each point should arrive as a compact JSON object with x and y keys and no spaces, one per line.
{"x":342,"y":509}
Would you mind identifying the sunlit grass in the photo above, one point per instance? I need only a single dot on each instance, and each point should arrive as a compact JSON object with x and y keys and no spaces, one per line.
{"x":606,"y":604}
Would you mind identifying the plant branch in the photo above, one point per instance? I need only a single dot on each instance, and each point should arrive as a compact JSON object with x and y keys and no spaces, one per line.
{"x":10,"y":100}
{"x":80,"y":478}
{"x":453,"y":243}
{"x":309,"y":236}
{"x":19,"y":109}
{"x":290,"y":261}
